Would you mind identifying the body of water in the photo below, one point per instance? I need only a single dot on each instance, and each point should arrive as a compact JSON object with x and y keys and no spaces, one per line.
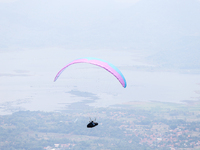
{"x":26,"y":80}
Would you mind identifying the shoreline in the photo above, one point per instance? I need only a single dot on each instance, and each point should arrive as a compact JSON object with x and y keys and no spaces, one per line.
{"x":9,"y":108}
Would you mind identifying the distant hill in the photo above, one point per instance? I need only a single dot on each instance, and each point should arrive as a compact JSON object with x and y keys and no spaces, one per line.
{"x":146,"y":24}
{"x":171,"y":28}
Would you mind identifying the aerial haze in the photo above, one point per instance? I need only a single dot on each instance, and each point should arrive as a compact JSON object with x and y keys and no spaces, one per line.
{"x":154,"y":43}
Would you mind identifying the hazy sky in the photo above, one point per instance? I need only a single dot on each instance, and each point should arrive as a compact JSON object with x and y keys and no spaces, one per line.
{"x":168,"y":29}
{"x":149,"y":25}
{"x":121,"y":1}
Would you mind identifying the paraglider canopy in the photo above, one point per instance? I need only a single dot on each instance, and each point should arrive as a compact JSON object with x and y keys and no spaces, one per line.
{"x":98,"y":62}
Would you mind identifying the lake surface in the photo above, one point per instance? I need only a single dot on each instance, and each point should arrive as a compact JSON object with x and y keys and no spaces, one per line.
{"x":26,"y":80}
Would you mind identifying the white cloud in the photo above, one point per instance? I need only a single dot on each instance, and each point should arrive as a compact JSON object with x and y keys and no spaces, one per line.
{"x":7,"y":1}
{"x":127,"y":1}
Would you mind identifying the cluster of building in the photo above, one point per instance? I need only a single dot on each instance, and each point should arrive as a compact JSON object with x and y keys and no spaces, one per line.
{"x":154,"y":135}
{"x":60,"y":146}
{"x":161,"y":136}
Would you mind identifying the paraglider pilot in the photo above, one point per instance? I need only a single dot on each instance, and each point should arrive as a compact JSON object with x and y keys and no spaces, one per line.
{"x":92,"y":124}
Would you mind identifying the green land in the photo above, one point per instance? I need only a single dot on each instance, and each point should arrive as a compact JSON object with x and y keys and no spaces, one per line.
{"x":134,"y":125}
